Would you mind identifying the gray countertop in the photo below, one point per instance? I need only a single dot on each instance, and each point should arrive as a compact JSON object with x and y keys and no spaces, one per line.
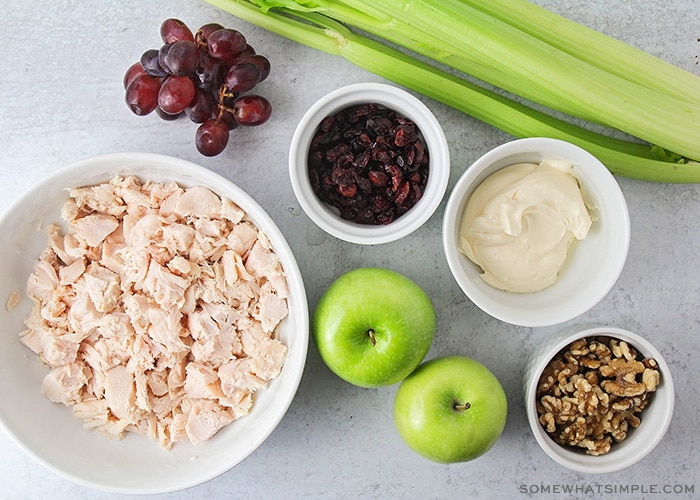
{"x":61,"y":69}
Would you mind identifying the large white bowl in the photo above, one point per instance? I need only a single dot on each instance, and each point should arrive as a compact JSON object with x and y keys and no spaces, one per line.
{"x":405,"y":104}
{"x":656,"y":417}
{"x":49,"y":432}
{"x":593,"y":265}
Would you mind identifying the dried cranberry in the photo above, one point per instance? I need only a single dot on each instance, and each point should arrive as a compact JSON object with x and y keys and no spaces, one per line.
{"x":404,"y":135}
{"x":363,"y":159}
{"x":378,"y":178}
{"x":347,"y":190}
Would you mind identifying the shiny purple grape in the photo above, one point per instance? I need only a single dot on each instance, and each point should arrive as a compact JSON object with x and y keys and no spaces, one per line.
{"x":142,"y":94}
{"x":181,"y":58}
{"x":252,"y":110}
{"x":212,"y":137}
{"x":175,"y":94}
{"x":242,"y":77}
{"x":150,"y":63}
{"x":173,"y":30}
{"x":134,"y":71}
{"x":209,"y":74}
{"x":262,"y":62}
{"x":207,"y":29}
{"x":226,"y":44}
{"x":202,"y":107}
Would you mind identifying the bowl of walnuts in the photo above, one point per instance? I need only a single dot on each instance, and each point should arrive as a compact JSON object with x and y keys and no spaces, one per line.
{"x":598,"y":399}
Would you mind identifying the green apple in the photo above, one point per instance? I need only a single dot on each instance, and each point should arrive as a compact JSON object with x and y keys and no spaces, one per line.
{"x":450,"y":409}
{"x":373,"y":326}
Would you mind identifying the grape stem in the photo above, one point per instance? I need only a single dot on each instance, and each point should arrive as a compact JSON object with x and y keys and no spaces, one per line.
{"x":200,"y":41}
{"x":224,"y":92}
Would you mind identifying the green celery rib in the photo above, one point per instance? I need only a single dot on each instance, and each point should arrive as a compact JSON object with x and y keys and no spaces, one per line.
{"x":497,"y":53}
{"x":592,"y":46}
{"x":322,"y":33}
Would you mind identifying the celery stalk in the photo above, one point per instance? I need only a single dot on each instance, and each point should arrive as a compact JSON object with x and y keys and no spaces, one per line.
{"x":624,"y":158}
{"x":498,"y":53}
{"x":592,"y":46}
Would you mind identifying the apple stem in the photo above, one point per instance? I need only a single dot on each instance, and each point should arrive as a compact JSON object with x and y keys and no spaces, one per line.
{"x":462,"y":407}
{"x":370,"y":333}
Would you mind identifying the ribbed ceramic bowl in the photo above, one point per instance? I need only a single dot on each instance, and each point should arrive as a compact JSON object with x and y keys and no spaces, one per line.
{"x":655,"y":418}
{"x":326,"y":217}
{"x":49,"y":432}
{"x":593,"y":265}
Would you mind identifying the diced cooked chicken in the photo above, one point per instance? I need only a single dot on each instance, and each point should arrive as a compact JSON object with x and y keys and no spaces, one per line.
{"x":69,"y":274}
{"x":201,"y":381}
{"x":93,"y":229}
{"x":101,"y":198}
{"x":43,"y":281}
{"x":242,"y":238}
{"x":165,"y":328}
{"x":199,"y":202}
{"x":166,"y":288}
{"x":205,"y":419}
{"x":59,"y":350}
{"x":64,"y":384}
{"x":120,"y":392}
{"x":93,"y":412}
{"x":231,"y":212}
{"x":239,"y":374}
{"x":269,"y":359}
{"x":157,"y":312}
{"x":271,"y":308}
{"x":102,"y":286}
{"x":57,"y":244}
{"x":238,"y":401}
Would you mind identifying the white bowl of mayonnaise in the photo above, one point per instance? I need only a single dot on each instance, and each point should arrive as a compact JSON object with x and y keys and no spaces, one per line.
{"x":536,"y":232}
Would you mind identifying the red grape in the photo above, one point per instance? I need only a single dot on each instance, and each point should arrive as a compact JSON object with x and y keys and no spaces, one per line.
{"x":163,"y":55}
{"x":261,"y":62}
{"x":226,"y":44}
{"x":248,"y":51}
{"x":149,"y":61}
{"x":204,"y":31}
{"x":142,"y":94}
{"x":201,"y":108}
{"x":181,"y":58}
{"x":211,"y":137}
{"x":252,"y":110}
{"x":173,"y":30}
{"x":176,"y":94}
{"x":134,"y":71}
{"x":242,"y":77}
{"x":209,"y":74}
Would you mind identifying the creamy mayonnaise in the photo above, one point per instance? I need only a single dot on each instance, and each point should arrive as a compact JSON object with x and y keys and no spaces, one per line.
{"x":519,"y":223}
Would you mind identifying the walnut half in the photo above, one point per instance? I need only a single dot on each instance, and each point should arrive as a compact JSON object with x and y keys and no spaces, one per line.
{"x":592,"y":392}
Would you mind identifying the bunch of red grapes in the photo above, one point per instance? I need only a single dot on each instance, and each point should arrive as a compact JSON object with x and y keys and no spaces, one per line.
{"x":202,"y":76}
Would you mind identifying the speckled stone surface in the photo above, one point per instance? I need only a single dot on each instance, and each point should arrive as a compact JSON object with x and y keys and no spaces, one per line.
{"x":61,"y":69}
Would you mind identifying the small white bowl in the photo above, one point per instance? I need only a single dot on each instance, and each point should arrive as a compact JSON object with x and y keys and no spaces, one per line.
{"x":50,"y":432}
{"x":593,"y":265}
{"x":405,"y":104}
{"x":656,"y":417}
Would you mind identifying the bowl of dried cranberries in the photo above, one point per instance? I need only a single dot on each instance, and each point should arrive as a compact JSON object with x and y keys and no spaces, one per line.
{"x":369,"y":163}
